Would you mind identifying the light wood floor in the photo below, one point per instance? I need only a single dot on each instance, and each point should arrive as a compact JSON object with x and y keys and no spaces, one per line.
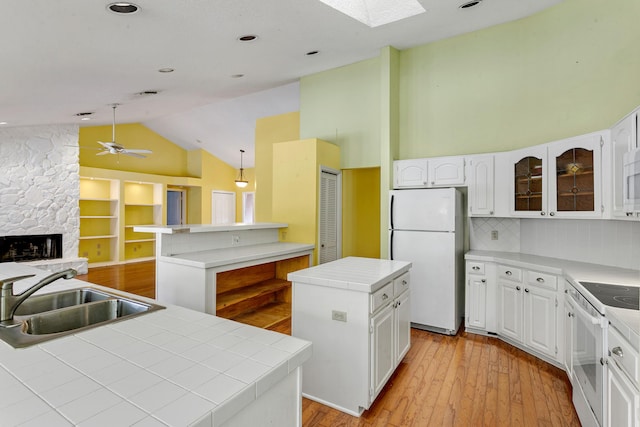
{"x":464,"y":380}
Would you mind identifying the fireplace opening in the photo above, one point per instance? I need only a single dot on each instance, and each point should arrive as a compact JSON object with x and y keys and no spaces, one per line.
{"x":30,"y":248}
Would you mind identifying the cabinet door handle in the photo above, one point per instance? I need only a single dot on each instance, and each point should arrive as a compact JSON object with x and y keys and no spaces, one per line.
{"x":540,"y":280}
{"x":475,"y":267}
{"x":517,"y":288}
{"x":490,"y":212}
{"x":508,"y":273}
{"x":526,"y":290}
{"x":484,"y":280}
{"x":617,"y":351}
{"x":570,"y":314}
{"x":404,"y":283}
{"x":542,"y":213}
{"x":399,"y":302}
{"x":384,"y":297}
{"x":552,"y":213}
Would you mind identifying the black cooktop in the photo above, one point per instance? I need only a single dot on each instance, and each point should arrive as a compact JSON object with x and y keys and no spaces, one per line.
{"x":615,"y":295}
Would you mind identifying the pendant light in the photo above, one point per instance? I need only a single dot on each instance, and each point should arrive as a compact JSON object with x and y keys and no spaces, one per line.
{"x":241,"y":181}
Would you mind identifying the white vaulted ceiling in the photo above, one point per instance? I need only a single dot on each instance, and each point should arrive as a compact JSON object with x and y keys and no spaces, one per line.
{"x":64,"y":57}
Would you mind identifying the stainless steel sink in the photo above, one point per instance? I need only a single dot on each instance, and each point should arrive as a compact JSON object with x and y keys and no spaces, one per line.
{"x":39,"y":303}
{"x":45,"y":317}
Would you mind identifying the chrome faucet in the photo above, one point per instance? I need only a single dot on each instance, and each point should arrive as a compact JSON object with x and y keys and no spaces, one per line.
{"x":9,"y":302}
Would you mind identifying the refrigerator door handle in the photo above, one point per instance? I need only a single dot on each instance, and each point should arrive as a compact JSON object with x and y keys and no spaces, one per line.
{"x":391,"y":244}
{"x":391,"y":212}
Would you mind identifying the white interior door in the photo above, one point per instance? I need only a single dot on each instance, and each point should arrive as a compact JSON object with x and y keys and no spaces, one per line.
{"x":223,"y":207}
{"x":329,"y":216}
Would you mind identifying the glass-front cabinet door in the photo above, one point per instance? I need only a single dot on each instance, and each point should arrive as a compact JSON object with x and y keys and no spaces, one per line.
{"x":575,"y":187}
{"x":529,"y":182}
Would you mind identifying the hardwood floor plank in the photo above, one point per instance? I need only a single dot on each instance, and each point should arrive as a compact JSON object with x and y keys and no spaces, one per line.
{"x":464,"y":380}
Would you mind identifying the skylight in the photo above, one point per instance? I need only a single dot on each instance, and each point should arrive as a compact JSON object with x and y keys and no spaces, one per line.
{"x":377,"y":12}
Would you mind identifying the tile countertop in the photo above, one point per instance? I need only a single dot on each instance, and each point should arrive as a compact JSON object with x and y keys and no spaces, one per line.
{"x":172,"y":367}
{"x":625,"y":321}
{"x":355,"y":273}
{"x":233,"y":255}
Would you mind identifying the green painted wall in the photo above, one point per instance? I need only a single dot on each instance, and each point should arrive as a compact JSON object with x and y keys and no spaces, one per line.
{"x":342,"y":106}
{"x":568,"y":70}
{"x":571,"y":69}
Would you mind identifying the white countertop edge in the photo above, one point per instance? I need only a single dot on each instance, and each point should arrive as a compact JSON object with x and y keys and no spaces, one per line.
{"x":205,"y":228}
{"x":235,"y":255}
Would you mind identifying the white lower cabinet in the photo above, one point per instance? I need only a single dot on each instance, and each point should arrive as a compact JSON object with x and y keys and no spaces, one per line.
{"x":623,"y":371}
{"x":528,"y":311}
{"x":358,"y":337}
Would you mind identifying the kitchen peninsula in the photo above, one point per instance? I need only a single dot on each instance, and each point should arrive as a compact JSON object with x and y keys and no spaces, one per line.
{"x":227,"y":270}
{"x":174,"y":367}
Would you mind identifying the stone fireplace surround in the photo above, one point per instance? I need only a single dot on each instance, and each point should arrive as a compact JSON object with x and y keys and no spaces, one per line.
{"x":40,"y":188}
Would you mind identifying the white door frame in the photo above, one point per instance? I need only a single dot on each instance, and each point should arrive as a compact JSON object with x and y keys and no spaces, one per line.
{"x":246,"y":195}
{"x":338,"y":175}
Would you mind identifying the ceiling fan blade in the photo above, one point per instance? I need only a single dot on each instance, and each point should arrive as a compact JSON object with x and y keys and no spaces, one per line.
{"x":102,"y":153}
{"x":136,"y":150}
{"x":127,"y":153}
{"x":106,"y":144}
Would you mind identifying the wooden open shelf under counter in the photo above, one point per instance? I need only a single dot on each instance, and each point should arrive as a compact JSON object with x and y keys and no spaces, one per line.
{"x":259,"y":295}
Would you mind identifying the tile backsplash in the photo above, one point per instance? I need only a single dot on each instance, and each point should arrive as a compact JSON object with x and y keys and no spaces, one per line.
{"x":607,"y":242}
{"x":508,"y":234}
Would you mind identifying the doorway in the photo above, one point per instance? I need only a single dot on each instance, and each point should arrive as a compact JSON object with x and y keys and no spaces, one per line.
{"x":223,"y":207}
{"x":330,"y":213}
{"x":176,"y":206}
{"x":248,"y":207}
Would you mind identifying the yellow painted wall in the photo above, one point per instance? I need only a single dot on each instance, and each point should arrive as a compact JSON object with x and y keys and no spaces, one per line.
{"x":270,"y":130}
{"x":361,"y":212}
{"x":296,"y":181}
{"x":167,"y":158}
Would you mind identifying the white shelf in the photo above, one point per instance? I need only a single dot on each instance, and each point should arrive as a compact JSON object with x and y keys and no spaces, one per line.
{"x":98,"y":216}
{"x":108,"y":236}
{"x":139,"y":240}
{"x":84,"y":199}
{"x":139,"y":225}
{"x":142,"y":204}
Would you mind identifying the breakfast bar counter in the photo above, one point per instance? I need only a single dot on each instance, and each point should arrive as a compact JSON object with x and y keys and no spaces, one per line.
{"x":174,"y":367}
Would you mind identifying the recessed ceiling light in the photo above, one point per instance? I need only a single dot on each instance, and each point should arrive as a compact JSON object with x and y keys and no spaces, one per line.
{"x":84,"y":119}
{"x":86,"y":113}
{"x":312,"y":52}
{"x":237,"y":76}
{"x":469,"y":4}
{"x":247,"y":38}
{"x":166,"y":70}
{"x":4,"y":123}
{"x":123,"y":8}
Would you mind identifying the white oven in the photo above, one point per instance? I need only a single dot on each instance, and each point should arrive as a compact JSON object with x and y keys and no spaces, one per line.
{"x":588,"y":359}
{"x":631,"y":181}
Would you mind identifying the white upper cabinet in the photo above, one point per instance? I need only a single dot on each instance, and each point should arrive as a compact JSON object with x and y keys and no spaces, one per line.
{"x":624,"y":138}
{"x":575,"y":183}
{"x":481,"y":185}
{"x":432,"y":172}
{"x":410,"y":173}
{"x":446,"y":171}
{"x":559,"y":179}
{"x":528,"y":180}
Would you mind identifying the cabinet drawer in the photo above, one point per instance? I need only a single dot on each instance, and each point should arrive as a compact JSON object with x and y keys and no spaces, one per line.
{"x":509,"y":273}
{"x":401,"y":284}
{"x":544,"y":280}
{"x":475,"y":267}
{"x":381,"y":297}
{"x":623,"y":354}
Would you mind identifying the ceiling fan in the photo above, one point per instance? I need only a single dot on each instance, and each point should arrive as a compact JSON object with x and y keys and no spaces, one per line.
{"x":113,"y":147}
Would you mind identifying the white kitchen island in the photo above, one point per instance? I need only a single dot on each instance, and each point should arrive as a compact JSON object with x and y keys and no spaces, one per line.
{"x":356,"y":311}
{"x":172,"y":367}
{"x":190,"y":257}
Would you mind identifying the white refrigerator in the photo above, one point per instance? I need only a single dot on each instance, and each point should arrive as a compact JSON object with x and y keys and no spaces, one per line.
{"x":426,"y":227}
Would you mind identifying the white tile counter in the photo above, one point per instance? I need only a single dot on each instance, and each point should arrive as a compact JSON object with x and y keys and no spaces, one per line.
{"x":173,"y":367}
{"x":352,"y":273}
{"x":238,"y":254}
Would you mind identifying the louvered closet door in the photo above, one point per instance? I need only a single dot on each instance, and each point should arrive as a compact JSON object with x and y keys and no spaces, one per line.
{"x":328,"y":217}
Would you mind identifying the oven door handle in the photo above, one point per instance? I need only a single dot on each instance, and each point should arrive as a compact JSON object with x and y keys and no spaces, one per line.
{"x":600,"y":320}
